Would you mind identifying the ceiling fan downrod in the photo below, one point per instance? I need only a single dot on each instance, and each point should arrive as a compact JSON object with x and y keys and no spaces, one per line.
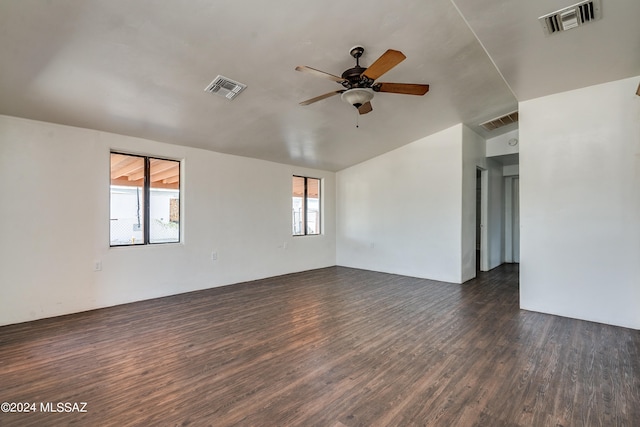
{"x":354,"y":76}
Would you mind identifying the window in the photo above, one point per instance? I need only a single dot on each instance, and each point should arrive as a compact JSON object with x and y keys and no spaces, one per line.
{"x":145,"y":200}
{"x":306,"y":206}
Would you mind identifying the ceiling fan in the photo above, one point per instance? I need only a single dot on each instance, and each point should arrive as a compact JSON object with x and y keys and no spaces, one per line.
{"x":360,"y":83}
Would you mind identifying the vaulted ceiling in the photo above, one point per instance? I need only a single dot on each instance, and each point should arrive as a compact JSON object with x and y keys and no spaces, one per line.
{"x":139,"y":68}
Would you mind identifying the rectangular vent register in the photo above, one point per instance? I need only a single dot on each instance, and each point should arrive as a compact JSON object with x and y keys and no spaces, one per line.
{"x":571,"y":17}
{"x":226,"y":87}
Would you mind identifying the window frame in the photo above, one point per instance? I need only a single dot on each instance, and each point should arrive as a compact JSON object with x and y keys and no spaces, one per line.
{"x":305,"y":206}
{"x":146,"y":209}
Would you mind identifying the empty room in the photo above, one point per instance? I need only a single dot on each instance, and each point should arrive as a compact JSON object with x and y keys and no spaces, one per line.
{"x":364,"y":213}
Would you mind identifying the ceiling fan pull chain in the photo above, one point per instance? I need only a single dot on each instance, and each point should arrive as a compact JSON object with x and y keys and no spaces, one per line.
{"x":357,"y":119}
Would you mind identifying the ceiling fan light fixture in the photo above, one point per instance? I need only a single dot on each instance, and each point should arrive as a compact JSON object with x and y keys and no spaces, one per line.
{"x":357,"y":96}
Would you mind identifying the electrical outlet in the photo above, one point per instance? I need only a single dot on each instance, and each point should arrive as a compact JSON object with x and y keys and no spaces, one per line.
{"x":214,"y":256}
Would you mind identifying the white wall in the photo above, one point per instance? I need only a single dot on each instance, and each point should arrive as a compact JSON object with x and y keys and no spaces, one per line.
{"x":511,"y":170}
{"x":401,"y":212}
{"x":56,"y":178}
{"x":412,"y":211}
{"x":580,"y":204}
{"x":499,"y":145}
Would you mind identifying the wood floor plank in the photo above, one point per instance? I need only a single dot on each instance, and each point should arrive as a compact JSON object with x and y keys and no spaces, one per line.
{"x":330,"y":347}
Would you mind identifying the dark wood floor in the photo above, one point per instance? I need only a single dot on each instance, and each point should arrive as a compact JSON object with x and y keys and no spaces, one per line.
{"x":330,"y":347}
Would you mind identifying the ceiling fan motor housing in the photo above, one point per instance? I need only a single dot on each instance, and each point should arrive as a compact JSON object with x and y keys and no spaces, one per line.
{"x":353,"y":77}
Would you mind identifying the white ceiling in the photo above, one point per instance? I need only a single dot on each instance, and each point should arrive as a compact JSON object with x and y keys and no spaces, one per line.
{"x":139,"y":68}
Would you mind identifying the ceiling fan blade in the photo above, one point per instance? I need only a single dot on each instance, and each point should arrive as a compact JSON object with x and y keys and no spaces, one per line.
{"x":405,"y":88}
{"x":321,"y":97}
{"x":365,"y":108}
{"x":387,"y":61}
{"x":319,"y":73}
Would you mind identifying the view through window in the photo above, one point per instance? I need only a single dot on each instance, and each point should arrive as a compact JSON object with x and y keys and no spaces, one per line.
{"x":306,"y":206}
{"x":145,"y":200}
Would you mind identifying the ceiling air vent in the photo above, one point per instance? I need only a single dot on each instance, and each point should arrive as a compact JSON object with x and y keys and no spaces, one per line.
{"x":500,"y":121}
{"x":571,"y":17}
{"x":226,"y":87}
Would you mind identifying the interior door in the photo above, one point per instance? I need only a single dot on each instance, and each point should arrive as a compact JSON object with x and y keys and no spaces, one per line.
{"x":516,"y":220}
